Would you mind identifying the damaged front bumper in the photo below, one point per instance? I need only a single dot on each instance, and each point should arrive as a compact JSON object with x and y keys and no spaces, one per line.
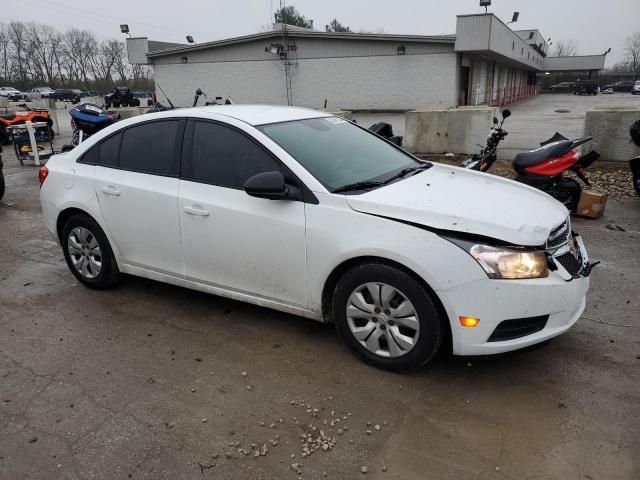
{"x":518,"y":313}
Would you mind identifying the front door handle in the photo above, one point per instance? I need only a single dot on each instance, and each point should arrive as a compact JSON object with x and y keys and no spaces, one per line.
{"x":110,"y":190}
{"x":196,"y":210}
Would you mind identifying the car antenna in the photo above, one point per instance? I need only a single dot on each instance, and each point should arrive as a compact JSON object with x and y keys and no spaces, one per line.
{"x":165,"y":95}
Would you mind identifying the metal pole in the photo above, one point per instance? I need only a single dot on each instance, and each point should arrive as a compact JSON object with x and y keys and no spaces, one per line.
{"x":34,"y":145}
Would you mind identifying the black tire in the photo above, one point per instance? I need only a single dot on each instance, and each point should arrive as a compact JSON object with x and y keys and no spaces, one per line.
{"x":109,"y":273}
{"x":1,"y":182}
{"x":4,"y":136}
{"x":431,"y":323}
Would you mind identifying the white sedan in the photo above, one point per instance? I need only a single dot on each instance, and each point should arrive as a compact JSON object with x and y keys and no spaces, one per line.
{"x":304,"y":212}
{"x":12,"y":94}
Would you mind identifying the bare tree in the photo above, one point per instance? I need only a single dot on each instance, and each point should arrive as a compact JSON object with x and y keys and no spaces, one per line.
{"x":34,"y":54}
{"x":565,"y":48}
{"x":632,"y":49}
{"x":43,"y":41}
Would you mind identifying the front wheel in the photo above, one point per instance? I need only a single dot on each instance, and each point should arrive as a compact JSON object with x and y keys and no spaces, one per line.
{"x":88,"y":253}
{"x":386,"y":317}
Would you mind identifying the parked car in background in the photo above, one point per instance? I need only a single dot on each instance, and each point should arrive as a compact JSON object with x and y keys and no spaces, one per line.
{"x":563,"y":87}
{"x":141,"y":93}
{"x":307,"y":213}
{"x":40,"y":92}
{"x":72,"y":95}
{"x":636,"y":88}
{"x":622,"y":86}
{"x":12,"y":94}
{"x":586,"y":87}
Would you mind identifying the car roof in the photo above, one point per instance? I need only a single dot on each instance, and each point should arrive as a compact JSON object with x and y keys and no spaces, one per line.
{"x":255,"y":114}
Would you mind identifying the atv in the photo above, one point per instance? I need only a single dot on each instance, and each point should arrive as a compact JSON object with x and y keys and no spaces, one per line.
{"x":120,"y":97}
{"x":22,"y":116}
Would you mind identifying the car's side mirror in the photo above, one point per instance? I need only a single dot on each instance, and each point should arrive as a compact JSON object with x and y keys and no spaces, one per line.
{"x":269,"y":185}
{"x":495,"y":120}
{"x":506,"y":113}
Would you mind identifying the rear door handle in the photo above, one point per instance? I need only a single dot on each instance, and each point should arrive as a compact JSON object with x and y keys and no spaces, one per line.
{"x":196,"y":210}
{"x":110,"y":190}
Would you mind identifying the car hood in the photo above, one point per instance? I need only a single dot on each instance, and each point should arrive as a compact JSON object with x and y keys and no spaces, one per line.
{"x":459,"y":200}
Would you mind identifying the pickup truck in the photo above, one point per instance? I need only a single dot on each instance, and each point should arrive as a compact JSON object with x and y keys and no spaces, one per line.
{"x":39,"y":92}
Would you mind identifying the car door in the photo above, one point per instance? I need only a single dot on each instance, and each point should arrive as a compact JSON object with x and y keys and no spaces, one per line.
{"x":230,"y":239}
{"x":137,"y":182}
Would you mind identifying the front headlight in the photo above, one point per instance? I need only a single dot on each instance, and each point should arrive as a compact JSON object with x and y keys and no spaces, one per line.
{"x":506,"y":263}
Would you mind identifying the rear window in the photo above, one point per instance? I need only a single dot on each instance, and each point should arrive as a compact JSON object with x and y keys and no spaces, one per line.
{"x":109,"y":151}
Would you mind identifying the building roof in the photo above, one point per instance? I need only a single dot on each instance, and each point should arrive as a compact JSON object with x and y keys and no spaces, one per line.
{"x":297,"y":33}
{"x":575,"y":63}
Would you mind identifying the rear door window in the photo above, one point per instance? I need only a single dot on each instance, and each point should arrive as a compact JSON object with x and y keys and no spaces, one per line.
{"x":151,"y":148}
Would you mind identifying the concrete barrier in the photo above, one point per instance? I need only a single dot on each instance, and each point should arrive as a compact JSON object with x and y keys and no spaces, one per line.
{"x":456,"y":130}
{"x":610,"y":131}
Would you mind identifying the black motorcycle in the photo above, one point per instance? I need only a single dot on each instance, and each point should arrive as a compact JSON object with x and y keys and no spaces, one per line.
{"x":489,"y":152}
{"x":634,"y":164}
{"x":217,"y":101}
{"x":385,"y":130}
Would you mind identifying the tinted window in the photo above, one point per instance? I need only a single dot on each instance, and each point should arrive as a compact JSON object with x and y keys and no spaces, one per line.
{"x":223,"y":156}
{"x":151,"y":148}
{"x":109,"y":151}
{"x":91,"y":156}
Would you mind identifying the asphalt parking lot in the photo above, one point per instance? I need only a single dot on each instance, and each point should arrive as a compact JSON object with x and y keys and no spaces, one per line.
{"x":153,"y":381}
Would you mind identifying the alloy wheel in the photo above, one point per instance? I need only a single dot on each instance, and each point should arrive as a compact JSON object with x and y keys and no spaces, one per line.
{"x":383,"y":319}
{"x":85,"y":252}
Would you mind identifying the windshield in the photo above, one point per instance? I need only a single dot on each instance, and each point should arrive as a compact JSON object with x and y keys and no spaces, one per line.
{"x":338,"y":153}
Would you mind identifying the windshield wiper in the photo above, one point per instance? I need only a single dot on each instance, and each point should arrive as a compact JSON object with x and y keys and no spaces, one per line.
{"x":406,"y":171}
{"x":358,"y":186}
{"x":372,"y":184}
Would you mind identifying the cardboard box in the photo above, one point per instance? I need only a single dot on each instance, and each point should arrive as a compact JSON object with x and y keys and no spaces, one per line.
{"x":591,"y":204}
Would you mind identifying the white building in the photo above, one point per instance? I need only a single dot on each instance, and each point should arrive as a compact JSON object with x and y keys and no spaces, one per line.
{"x":484,"y":62}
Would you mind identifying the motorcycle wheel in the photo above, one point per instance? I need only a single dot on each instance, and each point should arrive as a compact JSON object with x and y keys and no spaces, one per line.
{"x":566,"y":191}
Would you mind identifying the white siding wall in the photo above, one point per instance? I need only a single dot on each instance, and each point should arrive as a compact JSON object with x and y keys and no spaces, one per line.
{"x":374,"y":82}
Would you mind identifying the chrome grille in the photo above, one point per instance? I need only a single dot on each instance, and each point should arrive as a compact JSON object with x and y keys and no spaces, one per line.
{"x":560,"y":235}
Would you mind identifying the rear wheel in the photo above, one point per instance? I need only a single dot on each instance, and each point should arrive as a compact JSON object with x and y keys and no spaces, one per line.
{"x":88,"y":253}
{"x":386,"y":317}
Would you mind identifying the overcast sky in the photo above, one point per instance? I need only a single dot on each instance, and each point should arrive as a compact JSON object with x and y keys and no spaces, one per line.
{"x":595,"y":25}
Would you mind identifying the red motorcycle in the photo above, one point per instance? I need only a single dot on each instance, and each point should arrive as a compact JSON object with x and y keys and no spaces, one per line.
{"x":543,"y":168}
{"x":22,"y":116}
